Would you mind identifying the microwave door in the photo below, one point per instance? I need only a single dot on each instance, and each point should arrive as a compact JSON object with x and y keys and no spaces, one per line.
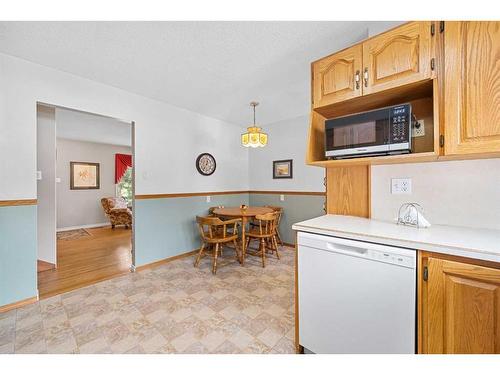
{"x":367,"y":137}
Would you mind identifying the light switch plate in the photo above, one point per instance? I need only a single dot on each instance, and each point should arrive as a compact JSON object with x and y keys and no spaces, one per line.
{"x":58,"y":180}
{"x":38,"y":175}
{"x":208,"y":198}
{"x":400,"y":185}
{"x":282,"y":197}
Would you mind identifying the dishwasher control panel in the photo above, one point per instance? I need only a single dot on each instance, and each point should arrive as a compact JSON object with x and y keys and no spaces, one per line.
{"x":387,"y":257}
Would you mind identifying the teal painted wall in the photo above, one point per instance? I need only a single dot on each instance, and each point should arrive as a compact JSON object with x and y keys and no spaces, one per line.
{"x":296,"y":208}
{"x":17,"y":253}
{"x":166,"y":227}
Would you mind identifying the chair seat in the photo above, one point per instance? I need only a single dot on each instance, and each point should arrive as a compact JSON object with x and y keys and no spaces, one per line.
{"x":221,"y":239}
{"x":257,"y":234}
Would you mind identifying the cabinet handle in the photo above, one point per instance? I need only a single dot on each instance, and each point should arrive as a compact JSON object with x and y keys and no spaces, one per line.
{"x":365,"y":77}
{"x":357,"y":79}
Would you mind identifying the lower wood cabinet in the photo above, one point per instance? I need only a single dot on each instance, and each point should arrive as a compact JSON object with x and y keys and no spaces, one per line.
{"x":459,"y":306}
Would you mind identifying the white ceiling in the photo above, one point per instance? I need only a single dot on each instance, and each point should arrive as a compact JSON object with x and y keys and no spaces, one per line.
{"x":81,"y":126}
{"x":213,"y":68}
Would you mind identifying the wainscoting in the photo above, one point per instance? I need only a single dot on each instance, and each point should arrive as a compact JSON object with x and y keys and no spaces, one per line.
{"x":165,"y":227}
{"x":17,"y":252}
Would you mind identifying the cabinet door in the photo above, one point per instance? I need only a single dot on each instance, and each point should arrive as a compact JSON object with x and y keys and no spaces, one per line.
{"x":397,"y":57}
{"x":472,"y":87}
{"x":463,"y":308}
{"x":337,"y":77}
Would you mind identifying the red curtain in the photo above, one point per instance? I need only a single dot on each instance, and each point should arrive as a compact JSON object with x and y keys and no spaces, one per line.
{"x":122,"y":162}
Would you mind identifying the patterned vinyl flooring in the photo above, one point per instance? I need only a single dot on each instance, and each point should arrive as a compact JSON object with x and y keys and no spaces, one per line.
{"x":173,"y":308}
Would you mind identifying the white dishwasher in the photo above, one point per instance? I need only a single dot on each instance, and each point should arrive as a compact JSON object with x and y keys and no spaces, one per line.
{"x":355,"y":297}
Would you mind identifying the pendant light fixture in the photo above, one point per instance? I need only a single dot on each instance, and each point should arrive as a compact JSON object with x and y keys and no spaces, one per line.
{"x":254,"y":137}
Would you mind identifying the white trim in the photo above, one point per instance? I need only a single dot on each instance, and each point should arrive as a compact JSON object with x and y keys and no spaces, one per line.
{"x":358,"y":150}
{"x":84,"y":226}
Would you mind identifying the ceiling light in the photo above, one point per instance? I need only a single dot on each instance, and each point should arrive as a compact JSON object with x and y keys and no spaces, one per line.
{"x":254,"y":137}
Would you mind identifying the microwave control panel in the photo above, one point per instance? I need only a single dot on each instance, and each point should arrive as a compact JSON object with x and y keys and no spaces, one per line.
{"x":400,"y":124}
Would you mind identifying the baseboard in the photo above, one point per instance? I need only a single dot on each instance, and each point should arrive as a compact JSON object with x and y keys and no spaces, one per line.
{"x":18,"y":304}
{"x":45,"y":266}
{"x":97,"y":225}
{"x":166,"y":260}
{"x":289,"y":244}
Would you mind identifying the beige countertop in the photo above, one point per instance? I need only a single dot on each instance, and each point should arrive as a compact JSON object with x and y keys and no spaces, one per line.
{"x":460,"y":241}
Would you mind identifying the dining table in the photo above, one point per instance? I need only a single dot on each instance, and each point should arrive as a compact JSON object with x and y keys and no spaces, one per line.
{"x":246,"y":214}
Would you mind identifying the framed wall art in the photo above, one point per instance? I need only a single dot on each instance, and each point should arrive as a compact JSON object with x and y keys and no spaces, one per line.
{"x":283,"y":168}
{"x":84,"y":175}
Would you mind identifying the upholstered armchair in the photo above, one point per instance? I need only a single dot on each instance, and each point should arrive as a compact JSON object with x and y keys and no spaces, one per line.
{"x":117,"y":211}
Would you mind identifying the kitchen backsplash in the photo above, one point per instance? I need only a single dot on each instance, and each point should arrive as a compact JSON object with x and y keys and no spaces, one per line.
{"x":462,"y":193}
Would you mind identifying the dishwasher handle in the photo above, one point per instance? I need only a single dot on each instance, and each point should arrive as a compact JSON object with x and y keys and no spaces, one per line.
{"x":346,"y":249}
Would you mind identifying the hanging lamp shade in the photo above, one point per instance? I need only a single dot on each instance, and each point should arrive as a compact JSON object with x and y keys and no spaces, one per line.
{"x":254,"y":136}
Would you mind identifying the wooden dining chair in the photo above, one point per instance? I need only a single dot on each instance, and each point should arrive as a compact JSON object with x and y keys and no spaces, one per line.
{"x":279,"y":213}
{"x":215,"y":234}
{"x":212,"y":209}
{"x":264,"y":232}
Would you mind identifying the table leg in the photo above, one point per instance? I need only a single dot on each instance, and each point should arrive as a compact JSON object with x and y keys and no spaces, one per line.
{"x":243,"y":240}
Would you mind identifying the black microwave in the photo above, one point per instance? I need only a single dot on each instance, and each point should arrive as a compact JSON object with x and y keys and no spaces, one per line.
{"x":384,"y":131}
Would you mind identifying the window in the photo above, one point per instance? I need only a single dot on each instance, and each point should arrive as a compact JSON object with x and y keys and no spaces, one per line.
{"x":124,"y":187}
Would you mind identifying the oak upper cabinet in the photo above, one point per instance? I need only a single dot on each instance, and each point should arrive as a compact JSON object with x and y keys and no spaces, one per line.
{"x":472,"y":87}
{"x":462,"y":308}
{"x":397,"y":57}
{"x":337,"y":77}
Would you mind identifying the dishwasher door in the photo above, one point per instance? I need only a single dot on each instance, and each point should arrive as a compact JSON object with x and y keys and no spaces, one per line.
{"x":355,"y":297}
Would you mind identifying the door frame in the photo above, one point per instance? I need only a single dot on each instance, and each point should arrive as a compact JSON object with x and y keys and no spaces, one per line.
{"x":132,"y":129}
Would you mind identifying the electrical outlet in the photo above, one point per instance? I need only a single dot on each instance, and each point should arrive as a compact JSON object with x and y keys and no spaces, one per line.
{"x":420,"y":131}
{"x":208,"y":198}
{"x":282,"y":197}
{"x":401,"y":186}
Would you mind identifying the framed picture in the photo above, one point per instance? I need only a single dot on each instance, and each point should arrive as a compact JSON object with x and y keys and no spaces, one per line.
{"x":283,"y":168}
{"x":83,"y":175}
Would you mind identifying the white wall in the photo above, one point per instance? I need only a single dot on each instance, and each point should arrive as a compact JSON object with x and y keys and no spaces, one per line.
{"x":463,"y":193}
{"x":46,"y":187}
{"x":81,"y":126}
{"x":168,"y":139}
{"x":287,"y":140}
{"x":379,"y":27}
{"x":83,"y":207}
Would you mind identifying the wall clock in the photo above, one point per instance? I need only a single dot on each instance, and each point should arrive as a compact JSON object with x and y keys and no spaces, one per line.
{"x":205,"y":164}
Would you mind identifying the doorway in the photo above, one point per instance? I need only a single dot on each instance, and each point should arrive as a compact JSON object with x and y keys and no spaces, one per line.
{"x":85,"y":188}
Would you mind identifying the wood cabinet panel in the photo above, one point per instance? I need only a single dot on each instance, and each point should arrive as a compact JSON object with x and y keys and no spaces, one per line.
{"x":337,"y":77}
{"x":348,"y":190}
{"x":397,"y":57}
{"x":472,"y":87}
{"x":462,"y":308}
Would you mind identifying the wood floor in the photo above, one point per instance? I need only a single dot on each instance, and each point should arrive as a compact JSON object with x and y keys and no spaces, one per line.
{"x":44,"y":266}
{"x":87,"y":260}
